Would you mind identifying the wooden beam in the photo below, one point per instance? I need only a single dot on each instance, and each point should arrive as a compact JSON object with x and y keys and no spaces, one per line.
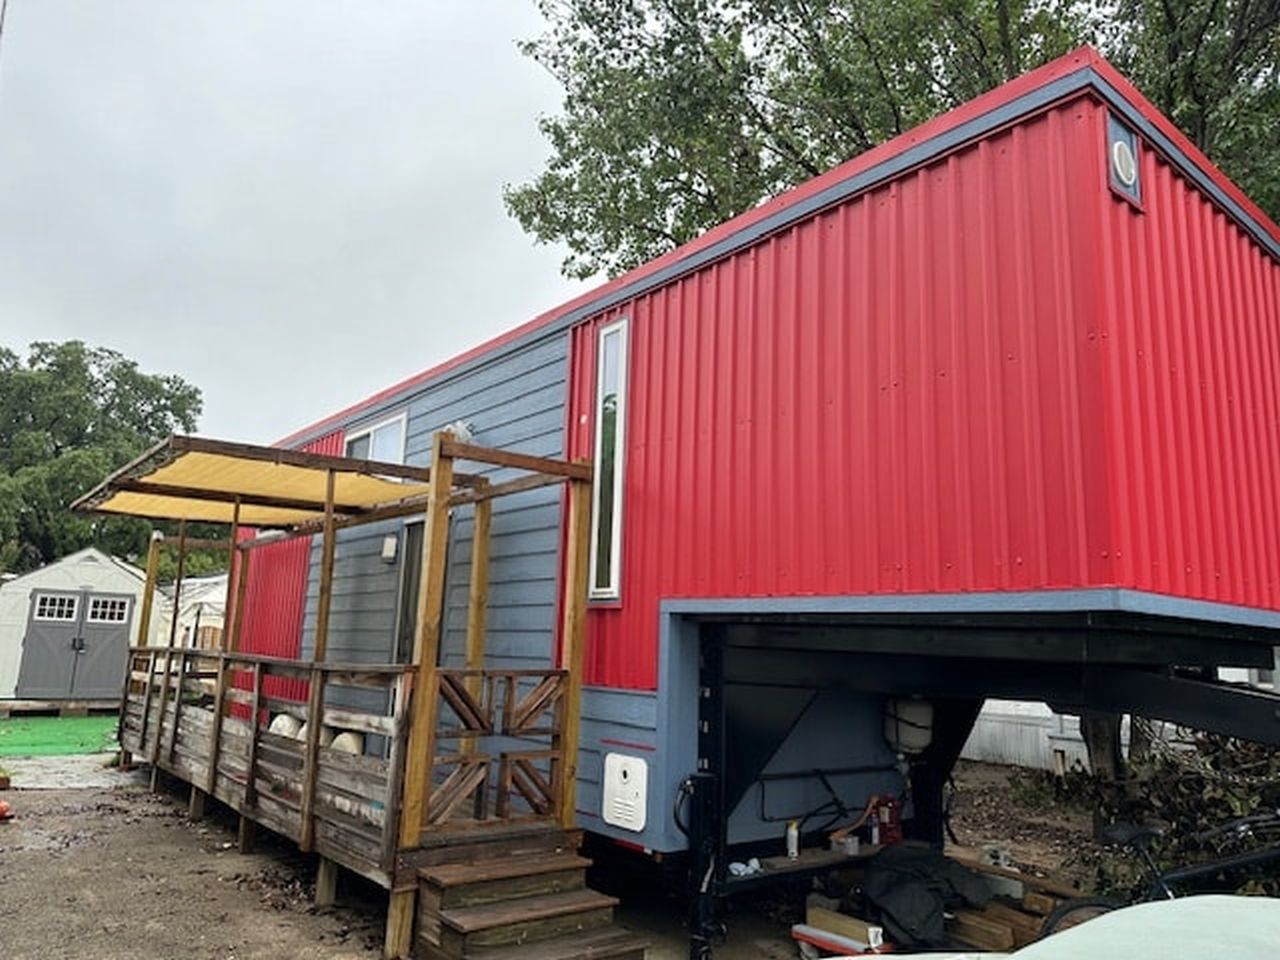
{"x":520,"y":461}
{"x":149,"y":593}
{"x":311,"y":761}
{"x":235,"y":571}
{"x":255,"y":708}
{"x":215,"y":731}
{"x":400,"y":700}
{"x":245,"y":834}
{"x":328,"y":546}
{"x":478,"y":589}
{"x":242,"y":590}
{"x":397,"y":942}
{"x":426,"y":647}
{"x":326,"y":882}
{"x":193,"y":543}
{"x":519,"y":485}
{"x":225,"y":496}
{"x":573,"y":642}
{"x":168,"y":656}
{"x":302,"y":458}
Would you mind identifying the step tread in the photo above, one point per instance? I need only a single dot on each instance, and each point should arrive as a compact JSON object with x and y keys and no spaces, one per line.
{"x":524,"y":910}
{"x":586,"y":945}
{"x":481,"y":871}
{"x":488,"y":831}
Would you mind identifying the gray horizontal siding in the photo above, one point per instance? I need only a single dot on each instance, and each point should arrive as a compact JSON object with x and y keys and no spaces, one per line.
{"x":515,"y":403}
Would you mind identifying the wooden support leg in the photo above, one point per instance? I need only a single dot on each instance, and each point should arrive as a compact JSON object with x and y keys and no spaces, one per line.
{"x":155,"y":777}
{"x":195,"y":805}
{"x":126,"y":761}
{"x":246,"y":833}
{"x":399,"y":936}
{"x":326,"y":883}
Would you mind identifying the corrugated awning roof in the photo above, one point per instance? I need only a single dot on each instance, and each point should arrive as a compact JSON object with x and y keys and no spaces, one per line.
{"x":193,"y":478}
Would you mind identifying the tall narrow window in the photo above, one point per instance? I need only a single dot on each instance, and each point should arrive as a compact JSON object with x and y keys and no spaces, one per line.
{"x":606,"y":533}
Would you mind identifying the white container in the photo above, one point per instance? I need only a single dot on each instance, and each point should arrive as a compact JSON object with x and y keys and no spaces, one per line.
{"x":908,"y":725}
{"x":793,"y":840}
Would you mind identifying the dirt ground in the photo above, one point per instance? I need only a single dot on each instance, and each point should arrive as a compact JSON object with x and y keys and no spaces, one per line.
{"x":111,"y":871}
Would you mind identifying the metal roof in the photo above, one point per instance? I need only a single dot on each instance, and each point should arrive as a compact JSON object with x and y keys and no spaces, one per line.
{"x":194,"y":478}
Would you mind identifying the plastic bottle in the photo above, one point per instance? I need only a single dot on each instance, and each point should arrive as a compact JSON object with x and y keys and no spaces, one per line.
{"x":793,"y":840}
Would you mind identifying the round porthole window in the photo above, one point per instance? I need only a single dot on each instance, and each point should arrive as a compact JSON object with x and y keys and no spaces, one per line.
{"x":1123,"y":163}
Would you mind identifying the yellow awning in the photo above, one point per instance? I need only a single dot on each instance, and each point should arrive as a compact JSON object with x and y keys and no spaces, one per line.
{"x":193,"y":478}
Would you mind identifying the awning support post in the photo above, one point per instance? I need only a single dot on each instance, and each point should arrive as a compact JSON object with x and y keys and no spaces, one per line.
{"x":315,"y":691}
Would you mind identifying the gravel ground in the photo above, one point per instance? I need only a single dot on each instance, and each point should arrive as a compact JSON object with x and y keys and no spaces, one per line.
{"x":111,"y":870}
{"x":93,"y":873}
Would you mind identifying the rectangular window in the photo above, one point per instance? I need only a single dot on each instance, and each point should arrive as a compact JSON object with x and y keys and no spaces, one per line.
{"x":56,"y":606}
{"x":606,"y":514}
{"x":383,"y":442}
{"x":108,"y":610}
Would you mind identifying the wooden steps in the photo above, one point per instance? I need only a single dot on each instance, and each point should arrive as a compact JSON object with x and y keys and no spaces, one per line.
{"x":524,"y":893}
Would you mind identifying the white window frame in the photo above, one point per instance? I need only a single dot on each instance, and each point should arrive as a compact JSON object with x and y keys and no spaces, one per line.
{"x":371,"y":428}
{"x":612,"y":590}
{"x":109,"y":603}
{"x":45,"y":618}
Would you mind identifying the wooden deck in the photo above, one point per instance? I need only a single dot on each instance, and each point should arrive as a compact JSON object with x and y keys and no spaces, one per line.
{"x":190,"y":713}
{"x":377,"y":764}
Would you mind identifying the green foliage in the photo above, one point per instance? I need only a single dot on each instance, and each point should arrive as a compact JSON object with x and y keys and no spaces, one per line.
{"x":679,"y":114}
{"x":1189,"y":785}
{"x":69,"y":415}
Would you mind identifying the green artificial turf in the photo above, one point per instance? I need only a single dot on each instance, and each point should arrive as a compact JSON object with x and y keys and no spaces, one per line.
{"x":55,"y":736}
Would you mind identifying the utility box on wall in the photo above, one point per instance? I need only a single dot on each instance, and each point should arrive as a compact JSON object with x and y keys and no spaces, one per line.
{"x":626,"y":780}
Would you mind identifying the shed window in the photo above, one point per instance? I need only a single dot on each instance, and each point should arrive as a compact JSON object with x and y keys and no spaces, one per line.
{"x":383,"y":442}
{"x":56,"y":606}
{"x":108,"y":610}
{"x":606,"y":533}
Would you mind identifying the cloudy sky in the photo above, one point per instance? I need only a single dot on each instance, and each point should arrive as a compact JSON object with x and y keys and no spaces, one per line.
{"x":292,"y":204}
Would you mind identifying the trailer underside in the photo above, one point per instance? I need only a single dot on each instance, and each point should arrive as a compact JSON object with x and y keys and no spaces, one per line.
{"x":761,"y":674}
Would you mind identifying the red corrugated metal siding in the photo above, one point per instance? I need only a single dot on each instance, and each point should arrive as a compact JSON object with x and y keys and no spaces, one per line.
{"x":275,"y":596}
{"x":1193,"y":383}
{"x":893,"y":396}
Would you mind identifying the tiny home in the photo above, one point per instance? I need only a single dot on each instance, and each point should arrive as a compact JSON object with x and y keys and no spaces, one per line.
{"x":989,"y":411}
{"x":65,"y":629}
{"x":1002,"y":390}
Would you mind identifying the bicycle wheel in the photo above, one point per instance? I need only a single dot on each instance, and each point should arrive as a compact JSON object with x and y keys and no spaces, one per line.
{"x":1072,"y":913}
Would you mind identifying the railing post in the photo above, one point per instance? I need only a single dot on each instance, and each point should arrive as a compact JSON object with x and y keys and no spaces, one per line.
{"x":242,"y":589}
{"x":311,"y":760}
{"x":315,"y":691}
{"x":219,"y":705}
{"x":573,"y":640}
{"x":426,"y":648}
{"x":168,"y":657}
{"x":477,"y":604}
{"x":255,"y":708}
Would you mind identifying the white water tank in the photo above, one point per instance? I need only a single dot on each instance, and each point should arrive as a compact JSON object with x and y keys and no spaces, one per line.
{"x":908,"y":725}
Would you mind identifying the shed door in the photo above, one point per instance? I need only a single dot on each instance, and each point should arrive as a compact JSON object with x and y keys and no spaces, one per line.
{"x":49,"y":647}
{"x":102,"y":646}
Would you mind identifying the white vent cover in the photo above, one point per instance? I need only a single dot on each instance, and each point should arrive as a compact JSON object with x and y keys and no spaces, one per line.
{"x":625,"y":782}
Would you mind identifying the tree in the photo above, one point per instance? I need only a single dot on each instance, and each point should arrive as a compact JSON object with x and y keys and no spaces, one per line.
{"x":679,"y":114}
{"x":69,"y":415}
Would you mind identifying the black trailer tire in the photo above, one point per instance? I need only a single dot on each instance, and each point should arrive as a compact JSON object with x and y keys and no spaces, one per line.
{"x":1071,"y":913}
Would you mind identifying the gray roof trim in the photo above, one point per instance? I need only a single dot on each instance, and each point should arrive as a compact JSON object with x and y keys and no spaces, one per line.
{"x":1135,"y":118}
{"x":1110,"y":599}
{"x":924,"y":152}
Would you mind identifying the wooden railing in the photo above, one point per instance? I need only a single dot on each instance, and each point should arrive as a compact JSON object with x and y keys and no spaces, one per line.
{"x":498,"y":746}
{"x":204,"y":716}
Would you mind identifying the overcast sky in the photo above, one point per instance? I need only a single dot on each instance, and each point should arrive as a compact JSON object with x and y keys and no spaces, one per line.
{"x":290,"y":203}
